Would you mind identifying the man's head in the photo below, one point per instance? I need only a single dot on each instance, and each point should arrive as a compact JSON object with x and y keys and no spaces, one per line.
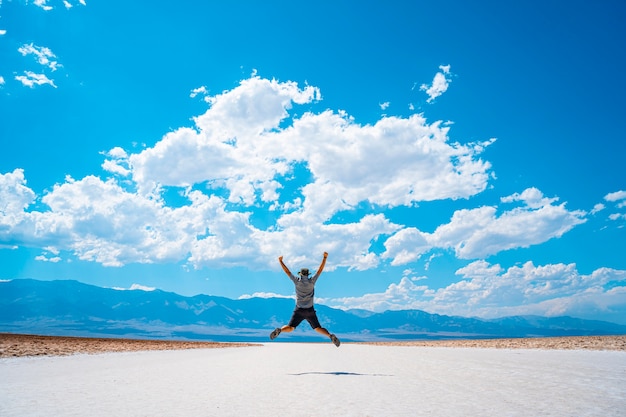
{"x":304,"y":273}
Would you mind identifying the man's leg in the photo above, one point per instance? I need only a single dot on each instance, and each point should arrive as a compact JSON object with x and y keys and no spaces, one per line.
{"x":323,"y":331}
{"x":315,"y":324}
{"x":332,"y":337}
{"x":279,"y":330}
{"x":311,"y":317}
{"x":296,"y":319}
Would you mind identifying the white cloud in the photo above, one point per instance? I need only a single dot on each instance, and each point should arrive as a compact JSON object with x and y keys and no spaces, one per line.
{"x":241,"y":157}
{"x":30,"y":79}
{"x":598,"y":208}
{"x":480,"y":232}
{"x":141,"y":287}
{"x":439,"y":85}
{"x":44,"y":258}
{"x":618,"y":196}
{"x":531,"y":196}
{"x":406,"y":246}
{"x":199,"y":91}
{"x":99,"y":221}
{"x":430,"y":259}
{"x":238,"y":144}
{"x":396,"y":297}
{"x":264,"y":295}
{"x":115,"y":167}
{"x":43,"y":4}
{"x":490,"y":291}
{"x":3,"y":32}
{"x":118,"y":164}
{"x":229,"y":145}
{"x":117,"y":153}
{"x":384,"y":106}
{"x":15,"y":197}
{"x":2,"y":82}
{"x":52,"y":249}
{"x":135,"y":287}
{"x":43,"y":55}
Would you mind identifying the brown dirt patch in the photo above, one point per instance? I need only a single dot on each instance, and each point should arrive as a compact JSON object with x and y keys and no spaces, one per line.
{"x":569,"y":343}
{"x":16,"y":345}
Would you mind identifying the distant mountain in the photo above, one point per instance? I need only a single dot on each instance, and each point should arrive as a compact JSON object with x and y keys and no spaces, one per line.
{"x":71,"y":308}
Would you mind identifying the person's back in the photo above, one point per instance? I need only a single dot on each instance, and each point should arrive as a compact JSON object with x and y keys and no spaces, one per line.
{"x":305,"y":293}
{"x":305,"y":288}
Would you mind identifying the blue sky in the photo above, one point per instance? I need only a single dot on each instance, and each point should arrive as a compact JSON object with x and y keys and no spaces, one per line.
{"x":462,"y":158}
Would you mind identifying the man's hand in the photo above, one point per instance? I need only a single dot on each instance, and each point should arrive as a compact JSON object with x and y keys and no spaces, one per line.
{"x":280,"y":258}
{"x":325,"y":254}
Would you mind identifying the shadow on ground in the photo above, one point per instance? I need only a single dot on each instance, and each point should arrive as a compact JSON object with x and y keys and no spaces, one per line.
{"x":338,"y":374}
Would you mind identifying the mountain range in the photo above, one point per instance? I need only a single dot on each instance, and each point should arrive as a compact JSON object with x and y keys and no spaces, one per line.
{"x":71,"y":308}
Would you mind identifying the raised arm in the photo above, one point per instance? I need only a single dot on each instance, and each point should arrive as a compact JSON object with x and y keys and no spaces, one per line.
{"x":321,"y":268}
{"x":282,"y":264}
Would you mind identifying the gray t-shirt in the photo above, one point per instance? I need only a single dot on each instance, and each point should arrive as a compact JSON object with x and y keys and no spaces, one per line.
{"x":305,"y":290}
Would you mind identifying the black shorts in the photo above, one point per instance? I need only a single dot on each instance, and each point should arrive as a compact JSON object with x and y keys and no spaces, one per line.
{"x":307,"y":314}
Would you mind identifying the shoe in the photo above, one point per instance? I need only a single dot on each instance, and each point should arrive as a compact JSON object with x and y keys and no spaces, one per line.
{"x":335,"y":340}
{"x":275,"y":333}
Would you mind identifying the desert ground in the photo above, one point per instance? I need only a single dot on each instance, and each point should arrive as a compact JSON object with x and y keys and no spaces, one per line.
{"x":566,"y":343}
{"x":574,"y":377}
{"x":18,"y":345}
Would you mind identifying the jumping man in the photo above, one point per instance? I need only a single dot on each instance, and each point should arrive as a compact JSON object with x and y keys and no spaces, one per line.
{"x":305,"y":290}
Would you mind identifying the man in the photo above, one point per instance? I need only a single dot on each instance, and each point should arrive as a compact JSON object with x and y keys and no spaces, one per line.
{"x":305,"y":290}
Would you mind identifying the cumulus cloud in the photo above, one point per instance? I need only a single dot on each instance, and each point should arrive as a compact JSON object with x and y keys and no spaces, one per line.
{"x":532,"y":197}
{"x":264,"y":295}
{"x":439,"y":85}
{"x":238,"y":144}
{"x":44,"y":258}
{"x":50,"y":255}
{"x":99,"y":221}
{"x":43,"y":55}
{"x":230,"y":143}
{"x":200,"y":91}
{"x":478,"y":233}
{"x":30,"y":79}
{"x":619,"y":200}
{"x":244,"y":155}
{"x":618,"y":197}
{"x":598,"y":208}
{"x":118,"y":162}
{"x":481,"y":232}
{"x":15,"y":197}
{"x":487,"y":290}
{"x":135,"y":287}
{"x":45,"y":4}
